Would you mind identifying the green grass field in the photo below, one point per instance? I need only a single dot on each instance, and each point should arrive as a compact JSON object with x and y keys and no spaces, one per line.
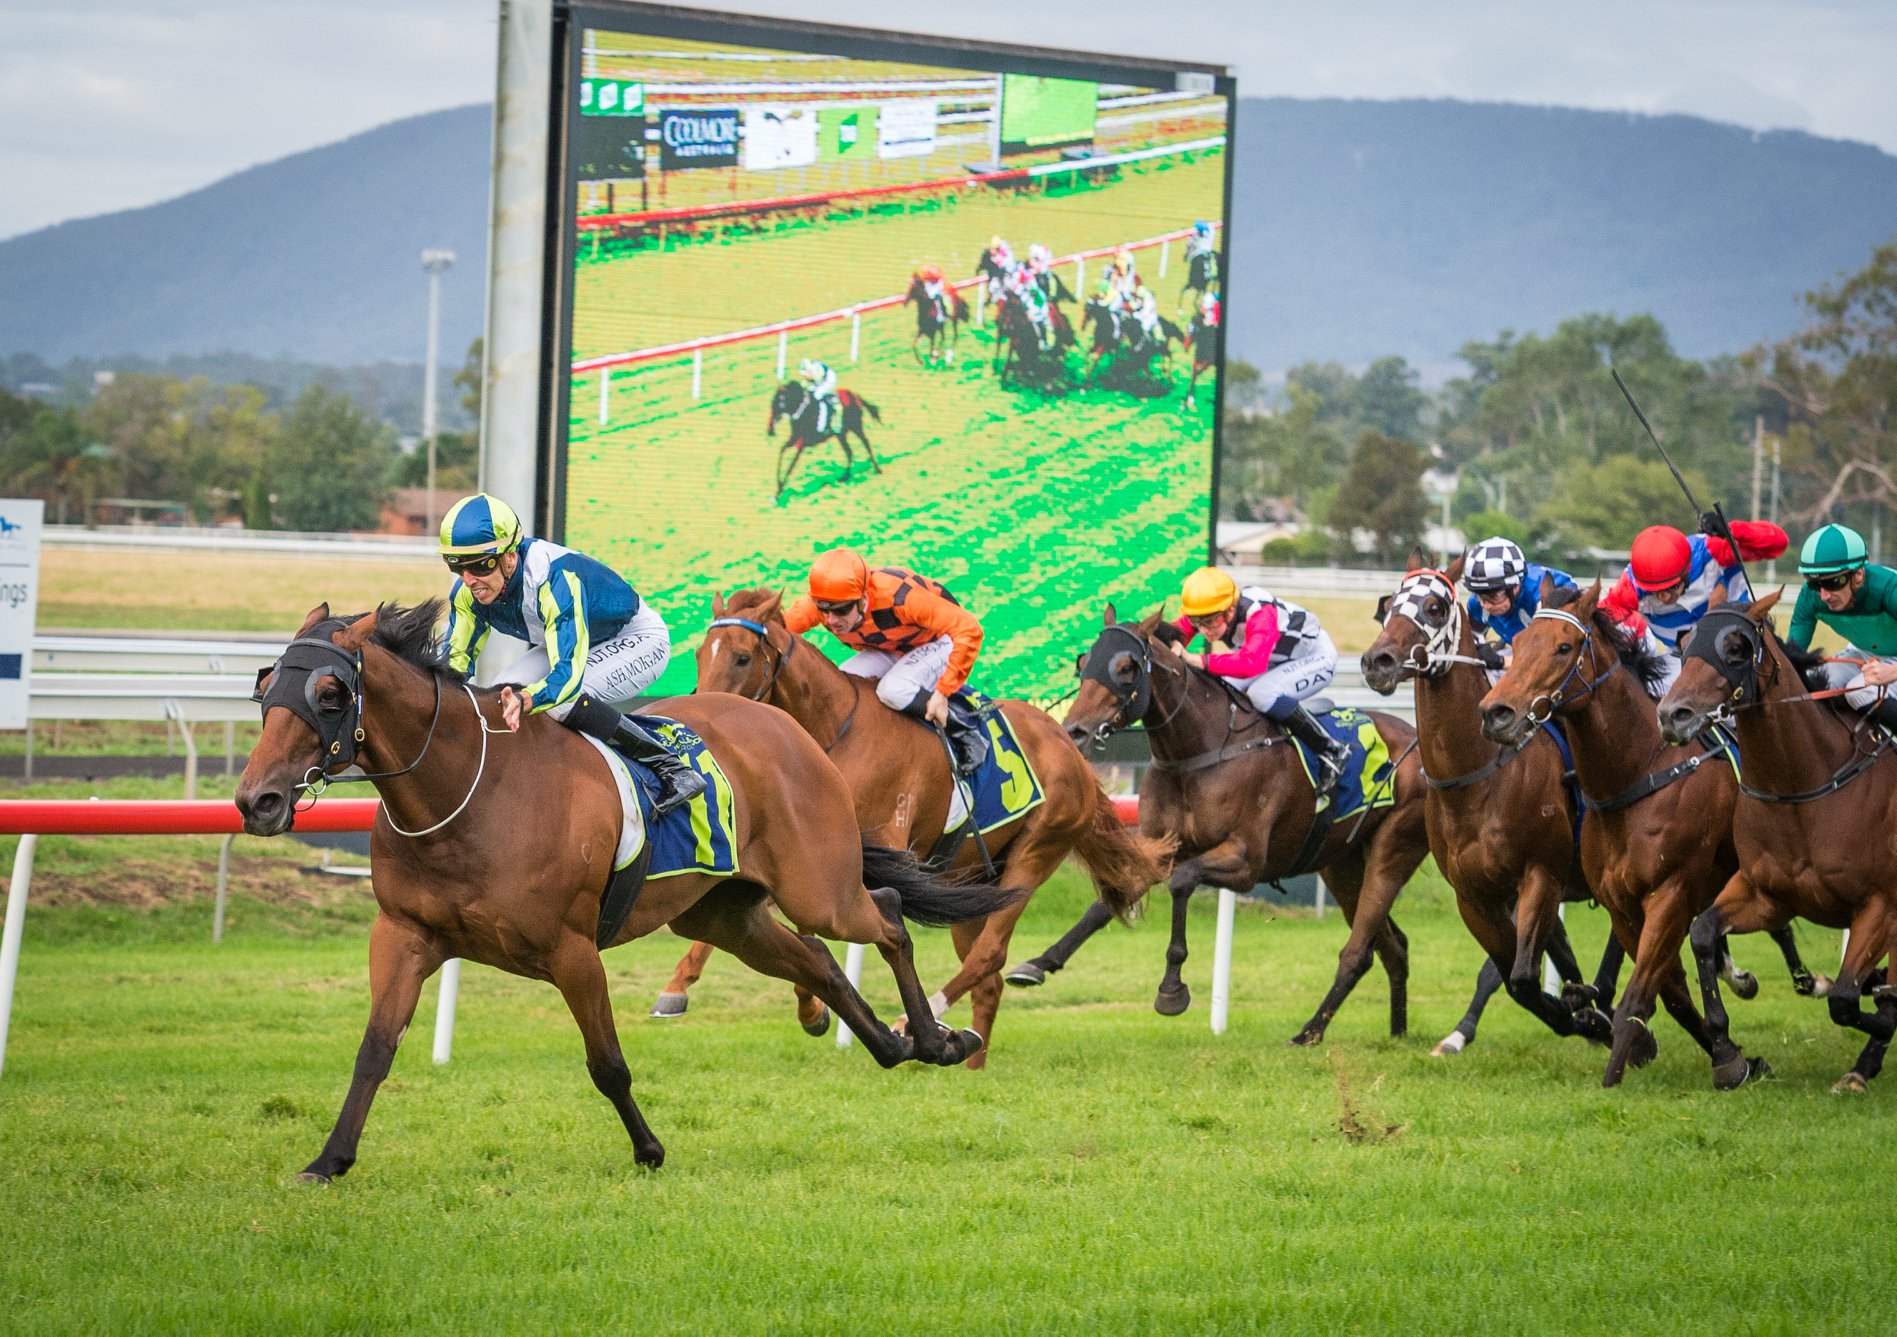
{"x":1035,"y":508}
{"x":1113,"y":1170}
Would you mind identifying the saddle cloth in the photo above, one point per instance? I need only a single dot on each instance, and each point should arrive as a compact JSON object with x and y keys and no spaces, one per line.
{"x":697,"y":837}
{"x":1005,"y":786}
{"x":1366,"y":781}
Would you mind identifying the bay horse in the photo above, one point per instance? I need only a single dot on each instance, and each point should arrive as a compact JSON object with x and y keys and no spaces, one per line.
{"x":1816,"y":789}
{"x":498,"y":848}
{"x":938,"y":320}
{"x":1657,"y":843}
{"x":898,"y":775}
{"x":1501,"y":823}
{"x":794,"y":404}
{"x":1227,"y":783}
{"x":1020,"y":353}
{"x":1120,"y":343}
{"x":1205,"y":340}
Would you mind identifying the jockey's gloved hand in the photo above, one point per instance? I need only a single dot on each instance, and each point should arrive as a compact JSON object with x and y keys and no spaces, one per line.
{"x":1710,"y":523}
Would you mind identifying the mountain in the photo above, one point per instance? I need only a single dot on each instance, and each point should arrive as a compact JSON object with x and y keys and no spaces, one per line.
{"x":1359,"y":229}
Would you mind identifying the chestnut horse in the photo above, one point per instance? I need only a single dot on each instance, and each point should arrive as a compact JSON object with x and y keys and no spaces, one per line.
{"x":1501,"y":823}
{"x":1816,"y":786}
{"x":498,"y":847}
{"x":897,"y":771}
{"x":1657,"y":844}
{"x":1228,"y":784}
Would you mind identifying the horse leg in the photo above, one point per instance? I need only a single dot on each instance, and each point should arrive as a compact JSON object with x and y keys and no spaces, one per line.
{"x":1030,"y":973}
{"x":984,"y":996}
{"x":934,"y":1044}
{"x":401,"y":958}
{"x":1223,"y":864}
{"x":580,"y":976}
{"x":1869,"y":930}
{"x":1633,"y":1040}
{"x":1487,"y":981}
{"x":674,"y":998}
{"x":1534,"y":912}
{"x":1739,"y":908}
{"x":1744,"y":983}
{"x":1607,"y":974}
{"x":876,"y":465}
{"x":1030,"y":862}
{"x":1804,"y":982}
{"x":1367,"y":921}
{"x":1871,"y":1060}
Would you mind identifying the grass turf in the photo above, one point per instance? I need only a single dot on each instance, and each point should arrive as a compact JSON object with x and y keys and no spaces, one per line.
{"x":1112,"y":1171}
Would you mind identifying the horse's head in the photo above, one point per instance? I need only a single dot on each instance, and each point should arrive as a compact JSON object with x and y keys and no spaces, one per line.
{"x":312,"y":718}
{"x":745,"y":649}
{"x":1116,"y":680}
{"x":1724,"y":656}
{"x":1557,"y":659}
{"x":785,"y":403}
{"x":1422,"y":621}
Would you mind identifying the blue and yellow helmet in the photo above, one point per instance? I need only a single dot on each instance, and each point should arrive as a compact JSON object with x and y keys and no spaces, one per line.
{"x":480,"y":525}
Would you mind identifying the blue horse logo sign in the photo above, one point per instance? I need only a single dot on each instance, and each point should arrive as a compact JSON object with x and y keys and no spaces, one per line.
{"x":698,"y":137}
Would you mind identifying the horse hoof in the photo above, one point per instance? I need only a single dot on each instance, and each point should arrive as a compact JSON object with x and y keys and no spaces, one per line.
{"x":669,"y":1005}
{"x":1851,"y":1084}
{"x":318,"y":1177}
{"x":1027,"y":975}
{"x":1736,"y":1071}
{"x":1820,"y":986}
{"x":1645,"y":1049}
{"x":1172,"y":1002}
{"x":649,"y":1158}
{"x":1744,"y":983}
{"x":1450,"y":1045}
{"x":1594,"y":1025}
{"x":1310,"y":1035}
{"x":972,"y":1044}
{"x":821,"y":1026}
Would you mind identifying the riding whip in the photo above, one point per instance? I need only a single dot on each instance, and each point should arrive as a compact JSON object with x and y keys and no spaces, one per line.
{"x":1723,"y":529}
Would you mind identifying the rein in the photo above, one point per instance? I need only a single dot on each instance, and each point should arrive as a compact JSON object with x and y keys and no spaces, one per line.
{"x":1442,"y":648}
{"x":1559,"y":696}
{"x":783,"y":657}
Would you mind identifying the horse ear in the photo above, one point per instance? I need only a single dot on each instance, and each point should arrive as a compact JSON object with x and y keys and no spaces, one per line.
{"x":1418,"y":559}
{"x":1383,"y":608}
{"x":316,"y":614}
{"x":1110,"y":617}
{"x":1546,"y":592}
{"x":1590,"y":600}
{"x":1762,"y":610}
{"x":1455,"y":568}
{"x":717,"y":604}
{"x":352,"y":636}
{"x":772,"y":607}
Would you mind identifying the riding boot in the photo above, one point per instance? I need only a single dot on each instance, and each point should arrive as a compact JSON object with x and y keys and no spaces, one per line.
{"x":968,"y":736}
{"x":1884,"y":714}
{"x":1332,"y":755}
{"x":678,"y":783}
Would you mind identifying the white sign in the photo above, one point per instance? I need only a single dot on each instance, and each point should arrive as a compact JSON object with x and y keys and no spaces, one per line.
{"x":906,"y":129}
{"x":19,"y":604}
{"x":777,"y":137}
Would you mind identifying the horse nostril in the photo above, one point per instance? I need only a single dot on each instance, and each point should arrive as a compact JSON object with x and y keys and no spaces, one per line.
{"x":1382,"y":660}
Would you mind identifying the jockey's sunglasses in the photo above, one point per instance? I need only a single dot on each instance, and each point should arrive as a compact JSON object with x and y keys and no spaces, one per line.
{"x":843,"y":609}
{"x":1829,"y":584}
{"x":479,"y":566}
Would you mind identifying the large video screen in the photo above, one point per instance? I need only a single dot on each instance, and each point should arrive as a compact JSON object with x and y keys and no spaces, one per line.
{"x":959,"y":313}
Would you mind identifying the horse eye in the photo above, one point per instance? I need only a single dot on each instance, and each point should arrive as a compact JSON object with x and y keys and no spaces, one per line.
{"x":1123,"y":666}
{"x":1564,"y":648}
{"x":744,"y":661}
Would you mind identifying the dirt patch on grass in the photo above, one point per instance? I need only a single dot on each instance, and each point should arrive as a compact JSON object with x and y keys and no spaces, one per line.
{"x":144,"y":884}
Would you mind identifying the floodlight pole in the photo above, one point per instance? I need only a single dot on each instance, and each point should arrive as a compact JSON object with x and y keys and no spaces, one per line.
{"x":434,"y":262}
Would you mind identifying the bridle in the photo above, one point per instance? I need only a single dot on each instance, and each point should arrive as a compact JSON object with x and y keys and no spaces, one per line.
{"x":1543,"y":707}
{"x":1132,"y":699}
{"x":781,"y":658}
{"x":1441,"y":648}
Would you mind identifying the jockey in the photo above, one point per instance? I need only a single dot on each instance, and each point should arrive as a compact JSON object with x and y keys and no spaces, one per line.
{"x":910,"y":635}
{"x":1146,"y":311}
{"x":1505,"y":587}
{"x":1859,"y":602}
{"x":1002,"y":265}
{"x":821,"y":382}
{"x":933,"y":288}
{"x":1282,"y":657}
{"x":1120,"y":271}
{"x":1033,"y":299}
{"x":595,"y":644}
{"x":1040,"y":259}
{"x":1671,"y":578}
{"x":1200,"y":242}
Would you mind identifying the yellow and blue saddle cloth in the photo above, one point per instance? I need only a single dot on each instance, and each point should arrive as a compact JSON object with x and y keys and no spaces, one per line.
{"x":1005,"y":785}
{"x":700,"y":835}
{"x":1367,"y":781}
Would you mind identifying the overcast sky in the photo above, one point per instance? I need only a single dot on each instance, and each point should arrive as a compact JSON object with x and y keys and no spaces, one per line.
{"x":111,"y":104}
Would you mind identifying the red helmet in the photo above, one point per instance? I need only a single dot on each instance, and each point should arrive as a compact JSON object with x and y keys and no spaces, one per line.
{"x":1661,"y":556}
{"x":930,"y":273}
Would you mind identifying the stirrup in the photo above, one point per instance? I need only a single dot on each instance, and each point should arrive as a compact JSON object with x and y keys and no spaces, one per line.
{"x":677,"y":786}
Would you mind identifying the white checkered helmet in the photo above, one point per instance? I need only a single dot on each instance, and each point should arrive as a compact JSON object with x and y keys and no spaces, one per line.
{"x":1494,"y":564}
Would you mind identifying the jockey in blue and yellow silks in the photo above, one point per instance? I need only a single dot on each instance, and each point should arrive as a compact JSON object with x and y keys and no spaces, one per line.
{"x":595,"y":645}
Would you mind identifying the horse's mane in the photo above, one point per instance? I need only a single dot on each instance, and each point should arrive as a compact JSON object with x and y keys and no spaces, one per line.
{"x":758,"y":598}
{"x":409,"y":634}
{"x":1648,"y":666}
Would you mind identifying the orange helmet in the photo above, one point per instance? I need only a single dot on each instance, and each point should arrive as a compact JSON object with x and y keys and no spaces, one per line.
{"x":839,"y":576}
{"x":930,"y":273}
{"x":1660,"y":557}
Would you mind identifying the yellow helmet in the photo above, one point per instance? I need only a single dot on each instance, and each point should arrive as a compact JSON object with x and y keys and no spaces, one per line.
{"x":1208,"y":591}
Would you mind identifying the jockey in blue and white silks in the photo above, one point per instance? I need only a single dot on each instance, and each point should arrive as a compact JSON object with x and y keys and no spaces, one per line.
{"x":594,"y":644}
{"x":1505,"y":587}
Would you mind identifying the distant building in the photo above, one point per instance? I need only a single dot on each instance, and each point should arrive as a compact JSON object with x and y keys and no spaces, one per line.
{"x":406,"y":510}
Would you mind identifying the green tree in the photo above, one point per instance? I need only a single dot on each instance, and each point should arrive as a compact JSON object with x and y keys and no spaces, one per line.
{"x":1500,"y":524}
{"x":1287,"y":453}
{"x":331,"y":464}
{"x":1604,"y":505}
{"x":1388,"y":401}
{"x":1381,"y":493}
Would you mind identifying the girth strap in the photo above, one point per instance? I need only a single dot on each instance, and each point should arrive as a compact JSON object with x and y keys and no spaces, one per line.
{"x":1200,"y":761}
{"x":1658,"y":780}
{"x":1863,"y":762}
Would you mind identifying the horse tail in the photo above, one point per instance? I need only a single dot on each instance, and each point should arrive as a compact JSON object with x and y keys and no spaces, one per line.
{"x":930,"y":898}
{"x":1124,"y":864}
{"x":870,"y":408}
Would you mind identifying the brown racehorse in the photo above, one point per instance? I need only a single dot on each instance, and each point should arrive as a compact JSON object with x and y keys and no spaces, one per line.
{"x":1657,"y":842}
{"x":1501,"y":823}
{"x":898,"y":773}
{"x":939,"y":321}
{"x":498,"y":847}
{"x":1229,"y":785}
{"x":797,"y":406}
{"x":1817,"y":787}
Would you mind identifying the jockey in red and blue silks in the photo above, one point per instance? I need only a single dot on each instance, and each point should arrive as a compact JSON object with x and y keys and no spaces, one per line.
{"x":1505,"y":587}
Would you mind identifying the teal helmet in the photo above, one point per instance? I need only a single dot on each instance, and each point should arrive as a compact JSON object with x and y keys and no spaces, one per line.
{"x":1832,"y":549}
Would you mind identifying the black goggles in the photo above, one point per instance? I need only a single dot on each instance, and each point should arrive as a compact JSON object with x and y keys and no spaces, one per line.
{"x":843,"y":609}
{"x":480,"y":565}
{"x":1830,"y":584}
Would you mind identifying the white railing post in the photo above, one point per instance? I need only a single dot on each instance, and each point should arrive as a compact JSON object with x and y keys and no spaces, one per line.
{"x":1317,"y":899}
{"x":783,"y":352}
{"x":444,"y":1008}
{"x":698,"y":371}
{"x":10,"y":938}
{"x":605,"y":380}
{"x":1550,"y":977}
{"x":856,"y":333}
{"x":981,"y":301}
{"x":853,"y":970}
{"x":223,"y":887}
{"x":1080,"y":277}
{"x":1165,"y":254}
{"x":174,"y":713}
{"x":1222,"y":961}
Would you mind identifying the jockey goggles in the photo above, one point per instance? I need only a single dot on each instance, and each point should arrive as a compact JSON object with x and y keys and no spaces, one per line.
{"x":479,"y":564}
{"x":830,"y":609}
{"x":1830,"y":584}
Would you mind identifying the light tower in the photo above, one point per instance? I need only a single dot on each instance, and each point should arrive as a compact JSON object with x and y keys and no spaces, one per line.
{"x":434,"y":262}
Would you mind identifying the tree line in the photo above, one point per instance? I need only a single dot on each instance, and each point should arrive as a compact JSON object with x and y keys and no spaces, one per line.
{"x":323,"y":461}
{"x":1544,"y":447}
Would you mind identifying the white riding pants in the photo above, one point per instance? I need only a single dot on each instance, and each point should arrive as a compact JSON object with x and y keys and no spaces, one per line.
{"x":900,"y":678}
{"x":1295,"y":679}
{"x":617,"y":669}
{"x":1859,"y":695}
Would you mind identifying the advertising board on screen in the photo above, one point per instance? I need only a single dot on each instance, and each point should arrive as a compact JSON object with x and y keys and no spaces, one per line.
{"x":952,"y":305}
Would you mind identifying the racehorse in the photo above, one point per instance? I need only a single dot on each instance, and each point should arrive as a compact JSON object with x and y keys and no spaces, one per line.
{"x":938,"y":320}
{"x":1816,"y":791}
{"x":1657,"y":842}
{"x":499,"y":847}
{"x":1227,"y":782}
{"x":1205,"y":339}
{"x":1201,"y":274}
{"x":1501,"y":823}
{"x":794,"y":403}
{"x":1122,"y":345}
{"x":1022,"y":354}
{"x":897,"y":771}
